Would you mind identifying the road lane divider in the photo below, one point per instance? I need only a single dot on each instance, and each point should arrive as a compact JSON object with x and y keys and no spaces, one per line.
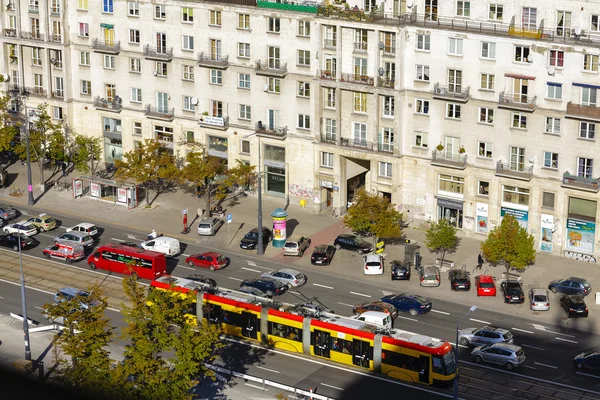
{"x":236,"y":279}
{"x":565,"y":340}
{"x":267,"y":369}
{"x":346,"y":304}
{"x":590,"y":375}
{"x":331,"y":386}
{"x":480,"y":321}
{"x":543,"y":328}
{"x":186,"y":267}
{"x":521,"y":330}
{"x":117,"y":240}
{"x":407,"y":318}
{"x":185,"y":255}
{"x":545,"y":365}
{"x":528,"y":366}
{"x":533,"y":347}
{"x":250,"y":269}
{"x":360,"y":294}
{"x":323,"y":286}
{"x":440,"y":312}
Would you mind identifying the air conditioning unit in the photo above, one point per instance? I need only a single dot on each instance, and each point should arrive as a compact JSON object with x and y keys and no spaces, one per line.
{"x":440,"y":90}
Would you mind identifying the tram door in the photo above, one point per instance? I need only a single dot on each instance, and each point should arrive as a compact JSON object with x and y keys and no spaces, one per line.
{"x":360,"y":353}
{"x":321,"y":346}
{"x":424,"y":369}
{"x":249,"y":325}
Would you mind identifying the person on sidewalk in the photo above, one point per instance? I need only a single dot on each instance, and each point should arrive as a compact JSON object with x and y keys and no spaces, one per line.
{"x":64,"y":168}
{"x":479,"y":261}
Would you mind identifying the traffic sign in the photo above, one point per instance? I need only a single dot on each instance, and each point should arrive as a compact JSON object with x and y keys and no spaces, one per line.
{"x":228,"y":218}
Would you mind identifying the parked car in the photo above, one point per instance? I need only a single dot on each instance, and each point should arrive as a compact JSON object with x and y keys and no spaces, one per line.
{"x":400,"y":270}
{"x":352,"y":242}
{"x":574,"y":305}
{"x":81,"y":238}
{"x":484,"y":335}
{"x":70,"y":293}
{"x":210,"y":260}
{"x":373,"y":264}
{"x":250,"y":241}
{"x":84,"y":227}
{"x":512,"y":291}
{"x":209,"y":226}
{"x":43,"y":222}
{"x":269,"y":286}
{"x":589,"y":360}
{"x":24,"y":227}
{"x":572,"y":285}
{"x":322,"y":254}
{"x":539,"y":300}
{"x":485,"y":285}
{"x":8,"y":213}
{"x":429,"y":276}
{"x":252,"y":290}
{"x":460,"y":279}
{"x":11,"y":240}
{"x":202,"y":279}
{"x":376,"y":306}
{"x":410,"y":303}
{"x":290,"y":277}
{"x":506,"y":354}
{"x":296,"y":246}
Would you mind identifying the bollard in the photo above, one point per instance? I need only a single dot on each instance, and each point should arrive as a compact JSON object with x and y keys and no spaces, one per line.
{"x":40,"y":365}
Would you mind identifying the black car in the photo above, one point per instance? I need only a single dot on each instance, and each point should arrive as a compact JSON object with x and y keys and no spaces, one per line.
{"x":250,"y":241}
{"x":322,"y":254}
{"x":459,"y":279}
{"x":400,"y":270}
{"x":352,"y":242}
{"x":512,"y":292}
{"x":8,"y":212}
{"x":202,"y":279}
{"x":589,"y":360}
{"x":574,"y":305}
{"x":410,"y":303}
{"x":570,"y":285}
{"x":269,"y":286}
{"x":11,"y":240}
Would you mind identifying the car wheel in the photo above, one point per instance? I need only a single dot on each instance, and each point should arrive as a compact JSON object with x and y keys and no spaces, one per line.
{"x":16,"y":247}
{"x":6,"y":231}
{"x":191,"y":263}
{"x":212,"y":268}
{"x":509,"y":366}
{"x":579,"y":365}
{"x":92,"y":266}
{"x":42,"y":229}
{"x":70,"y":260}
{"x":464,"y":341}
{"x":413,"y":312}
{"x":47,"y":255}
{"x":553,"y":289}
{"x":478,"y":359}
{"x":269,"y":293}
{"x":359,"y":251}
{"x":337,"y":246}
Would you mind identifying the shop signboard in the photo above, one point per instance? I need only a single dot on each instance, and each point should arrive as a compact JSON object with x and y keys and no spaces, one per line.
{"x":481,"y":215}
{"x":547,"y":226}
{"x":522,"y":216}
{"x":580,"y":236}
{"x":122,"y":195}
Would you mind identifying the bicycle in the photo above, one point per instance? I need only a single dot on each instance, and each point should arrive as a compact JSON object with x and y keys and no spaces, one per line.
{"x":63,"y":185}
{"x":16,"y":192}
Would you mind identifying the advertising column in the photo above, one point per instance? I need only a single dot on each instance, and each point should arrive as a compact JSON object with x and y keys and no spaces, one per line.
{"x":279,"y":225}
{"x":546,"y":233}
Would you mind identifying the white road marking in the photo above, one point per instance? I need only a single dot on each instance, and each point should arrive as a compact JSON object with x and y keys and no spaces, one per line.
{"x":566,"y":340}
{"x":386,"y":293}
{"x":323,"y":286}
{"x":521,"y":330}
{"x":440,"y":312}
{"x":590,"y":375}
{"x":543,"y":328}
{"x":1,"y":297}
{"x":250,"y":269}
{"x":39,"y":308}
{"x":533,"y":347}
{"x":130,"y":236}
{"x":293,"y":292}
{"x":235,"y":279}
{"x":331,"y":386}
{"x":267,"y":369}
{"x":264,"y":389}
{"x":185,"y":255}
{"x":358,"y":294}
{"x":346,"y":304}
{"x":410,"y":319}
{"x":186,"y":267}
{"x":117,"y":240}
{"x":545,"y":365}
{"x":251,"y":263}
{"x":527,"y":366}
{"x":478,"y":320}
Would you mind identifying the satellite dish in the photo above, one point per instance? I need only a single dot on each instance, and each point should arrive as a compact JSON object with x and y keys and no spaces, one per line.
{"x":155,"y":73}
{"x":381,"y":71}
{"x":551,"y":71}
{"x":194,"y":101}
{"x":409,"y":3}
{"x":265,"y":87}
{"x":5,"y":77}
{"x":578,"y":30}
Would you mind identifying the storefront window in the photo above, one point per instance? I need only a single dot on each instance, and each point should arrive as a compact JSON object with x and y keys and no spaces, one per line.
{"x":275,"y":180}
{"x":452,"y":215}
{"x":581,"y":225}
{"x":582,"y":209}
{"x":163,"y":133}
{"x":217,"y":143}
{"x":113,"y":149}
{"x":453,"y":184}
{"x":515,"y":195}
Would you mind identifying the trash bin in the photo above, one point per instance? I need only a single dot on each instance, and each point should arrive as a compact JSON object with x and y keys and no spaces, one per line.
{"x":302,"y":202}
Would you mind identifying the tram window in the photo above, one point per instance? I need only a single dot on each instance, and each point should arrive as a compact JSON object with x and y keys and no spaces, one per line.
{"x":231,"y":318}
{"x":341,"y":345}
{"x":438,"y":366}
{"x":400,"y":360}
{"x":212,"y":313}
{"x":285,"y":331}
{"x":191,"y":309}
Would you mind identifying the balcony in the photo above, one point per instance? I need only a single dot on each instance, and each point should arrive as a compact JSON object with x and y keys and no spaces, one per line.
{"x":330,"y":139}
{"x":55,"y":37}
{"x":298,"y":6}
{"x":274,"y":132}
{"x":451,"y":93}
{"x":215,"y":61}
{"x":516,"y":102}
{"x":167,"y":114}
{"x":356,"y":144}
{"x":578,"y":111}
{"x":272,"y":68}
{"x":355,"y":78}
{"x":361,"y":47}
{"x":580,"y":182}
{"x":14,"y":89}
{"x":449,"y":160}
{"x":58,"y":94}
{"x":221,"y":123}
{"x":330,"y":44}
{"x":35,"y":91}
{"x":32,"y":36}
{"x":386,"y":83}
{"x":106,"y":46}
{"x":389,"y":148}
{"x":158,"y":53}
{"x":104,"y":104}
{"x":326,"y":74}
{"x":9,"y":33}
{"x":514,"y":170}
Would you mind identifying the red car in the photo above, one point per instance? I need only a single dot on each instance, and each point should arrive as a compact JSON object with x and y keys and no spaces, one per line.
{"x":485,"y":285}
{"x":210,"y":260}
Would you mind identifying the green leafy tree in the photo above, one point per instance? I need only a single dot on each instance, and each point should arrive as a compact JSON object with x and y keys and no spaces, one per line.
{"x":374,"y":215}
{"x":150,"y":165}
{"x":441,"y":238}
{"x":86,"y":152}
{"x":509,"y":244}
{"x":243,"y":175}
{"x":9,"y":123}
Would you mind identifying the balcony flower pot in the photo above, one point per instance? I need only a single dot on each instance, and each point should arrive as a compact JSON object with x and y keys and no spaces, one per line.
{"x":439,"y":147}
{"x":461,"y":150}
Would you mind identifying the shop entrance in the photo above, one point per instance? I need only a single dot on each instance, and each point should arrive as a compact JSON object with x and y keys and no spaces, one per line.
{"x":451,"y":211}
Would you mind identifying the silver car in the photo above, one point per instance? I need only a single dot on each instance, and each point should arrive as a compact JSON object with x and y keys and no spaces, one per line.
{"x":509,"y":355}
{"x":539,"y":300}
{"x":296,"y":246}
{"x":485,"y":335}
{"x":77,"y":237}
{"x":290,"y":277}
{"x":209,"y":226}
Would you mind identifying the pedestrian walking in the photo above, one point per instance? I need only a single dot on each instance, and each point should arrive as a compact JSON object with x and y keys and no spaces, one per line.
{"x":479,"y":261}
{"x":64,"y":168}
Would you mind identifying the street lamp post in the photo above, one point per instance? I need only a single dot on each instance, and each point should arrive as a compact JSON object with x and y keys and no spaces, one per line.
{"x":30,"y":200}
{"x":25,"y":322}
{"x":260,"y":245}
{"x":473,"y":308}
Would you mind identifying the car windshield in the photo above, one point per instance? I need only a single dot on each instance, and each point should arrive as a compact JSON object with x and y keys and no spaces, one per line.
{"x":487,"y":285}
{"x":221,"y":259}
{"x":485,"y":346}
{"x":420,"y":299}
{"x":539,"y":297}
{"x":251,"y":235}
{"x":204,"y":226}
{"x":49,"y":220}
{"x":300,"y":276}
{"x":290,"y":244}
{"x":586,"y":285}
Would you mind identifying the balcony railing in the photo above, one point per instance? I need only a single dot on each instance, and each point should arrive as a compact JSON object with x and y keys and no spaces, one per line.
{"x":326,"y":74}
{"x":517,"y":102}
{"x":389,"y":148}
{"x":355,"y":78}
{"x":331,"y":139}
{"x":386,"y":83}
{"x":277,"y":132}
{"x":14,"y":89}
{"x":272,"y":68}
{"x":54,"y":37}
{"x":158,"y":53}
{"x":356,"y":143}
{"x":31,"y":35}
{"x":361,"y":46}
{"x":160,"y":112}
{"x":330,"y":44}
{"x":58,"y":94}
{"x":299,"y":6}
{"x":579,"y":111}
{"x":9,"y":32}
{"x":514,"y":170}
{"x":35,"y":91}
{"x":580,"y":182}
{"x":214,"y":122}
{"x":213,"y":61}
{"x":450,"y":160}
{"x":451,"y":92}
{"x":104,"y":104}
{"x":106,"y":46}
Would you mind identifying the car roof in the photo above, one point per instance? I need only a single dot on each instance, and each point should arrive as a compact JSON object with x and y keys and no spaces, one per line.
{"x":416,"y":297}
{"x":210,"y":253}
{"x":506,"y":346}
{"x":539,"y":291}
{"x":373,"y":257}
{"x":347,"y":236}
{"x":72,"y":291}
{"x":79,"y":234}
{"x":289,"y":271}
{"x":85,"y":225}
{"x":494,"y":329}
{"x":485,"y":278}
{"x":576,"y":298}
{"x":575,"y":279}
{"x":378,"y":314}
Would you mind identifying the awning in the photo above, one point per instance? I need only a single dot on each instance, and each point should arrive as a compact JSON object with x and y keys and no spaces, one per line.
{"x":107,"y":26}
{"x":554,"y":84}
{"x":449,"y":203}
{"x":586,"y":85}
{"x":517,"y":76}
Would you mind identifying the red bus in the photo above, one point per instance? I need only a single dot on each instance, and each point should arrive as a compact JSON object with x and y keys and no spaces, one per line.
{"x":129,"y":260}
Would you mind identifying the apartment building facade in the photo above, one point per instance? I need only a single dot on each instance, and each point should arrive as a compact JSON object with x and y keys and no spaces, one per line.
{"x":460,"y":110}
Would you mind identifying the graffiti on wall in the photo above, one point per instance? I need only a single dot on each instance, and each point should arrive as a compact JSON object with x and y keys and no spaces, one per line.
{"x":300,"y":191}
{"x":579,"y":256}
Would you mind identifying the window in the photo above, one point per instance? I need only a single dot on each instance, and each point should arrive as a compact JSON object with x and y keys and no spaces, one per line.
{"x":585,"y":167}
{"x":217,"y":108}
{"x":55,"y":7}
{"x":421,"y":106}
{"x":274,"y":85}
{"x":160,"y":12}
{"x":216,"y":77}
{"x":109,"y":62}
{"x":274,"y":25}
{"x":487,"y":81}
{"x":107,"y":6}
{"x":304,"y":89}
{"x":187,"y":104}
{"x":304,"y":58}
{"x":588,"y":96}
{"x":486,"y":115}
{"x":243,"y":81}
{"x":330,"y":129}
{"x":553,"y":125}
{"x":547,"y":200}
{"x":517,"y":158}
{"x":389,"y":42}
{"x":595,"y":23}
{"x":133,"y":9}
{"x":57,"y":113}
{"x":423,"y":73}
{"x":359,"y":133}
{"x":136,"y":97}
{"x":590,"y":63}
{"x":189,"y":136}
{"x":188,"y":73}
{"x":326,"y":159}
{"x":304,"y":28}
{"x":421,"y":140}
{"x":488,"y":50}
{"x":454,"y":81}
{"x":496,"y":12}
{"x":244,"y":50}
{"x":521,"y":54}
{"x":453,"y":110}
{"x":187,"y":43}
{"x":82,"y":5}
{"x":455,"y":46}
{"x":483,"y":188}
{"x":134,"y":36}
{"x":36,"y":56}
{"x":243,"y":21}
{"x":484,"y":149}
{"x":587,"y":130}
{"x":84,"y":58}
{"x":386,"y":140}
{"x":34,"y":5}
{"x":135,"y":65}
{"x":550,"y":160}
{"x":303,"y":121}
{"x":423,"y":42}
{"x":557,"y":58}
{"x":360,"y":102}
{"x":361,"y":39}
{"x":452,"y":184}
{"x":519,"y":120}
{"x":463,"y":8}
{"x":554,"y":90}
{"x":273,"y":61}
{"x":329,"y":97}
{"x":385,"y":169}
{"x":563,"y":23}
{"x":214,"y":18}
{"x":360,"y":67}
{"x":245,"y":112}
{"x":187,"y":15}
{"x":161,"y":69}
{"x":137,"y":128}
{"x":245,"y":147}
{"x":84,"y":29}
{"x":515,"y":195}
{"x":86,"y":88}
{"x":529,"y":19}
{"x":389,"y":104}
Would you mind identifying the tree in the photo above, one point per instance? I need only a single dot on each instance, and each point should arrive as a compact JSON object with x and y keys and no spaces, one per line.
{"x":86,"y":152}
{"x":9,"y":122}
{"x":441,"y":238}
{"x":243,"y":175}
{"x":149,"y":165}
{"x":509,"y":244}
{"x":374,"y":215}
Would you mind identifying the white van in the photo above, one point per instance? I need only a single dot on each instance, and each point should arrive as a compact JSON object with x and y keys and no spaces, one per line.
{"x":377,"y":318}
{"x":167,"y":245}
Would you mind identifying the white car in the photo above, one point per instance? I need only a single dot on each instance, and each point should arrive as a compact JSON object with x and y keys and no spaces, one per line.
{"x":24,"y":227}
{"x":539,"y":300}
{"x":373,"y":264}
{"x":84,"y":227}
{"x":290,"y":277}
